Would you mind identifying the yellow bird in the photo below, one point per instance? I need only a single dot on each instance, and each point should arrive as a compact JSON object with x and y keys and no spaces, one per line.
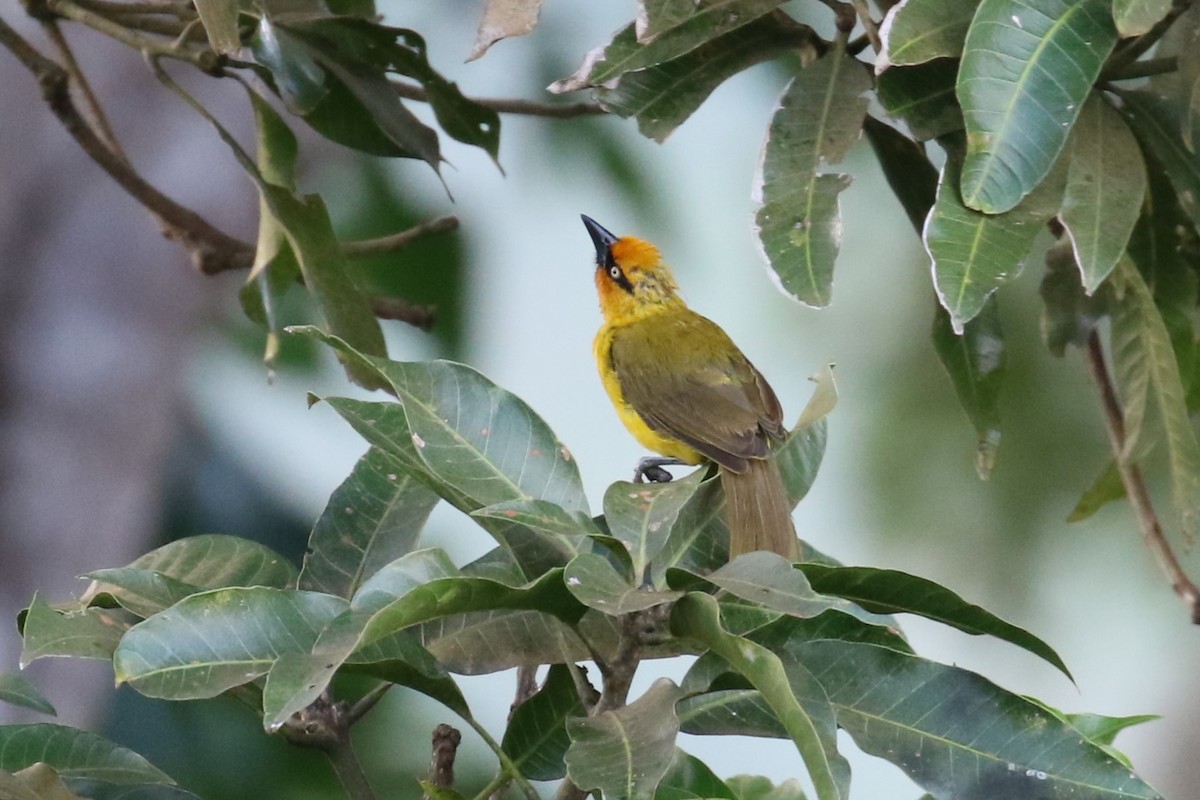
{"x":685,"y":390}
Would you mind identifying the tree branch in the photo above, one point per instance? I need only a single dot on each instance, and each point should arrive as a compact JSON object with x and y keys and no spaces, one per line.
{"x":869,"y":26}
{"x":527,"y":107}
{"x":1135,"y":483}
{"x":325,"y":725}
{"x":1131,"y":52}
{"x":203,"y":58}
{"x":445,"y":747}
{"x":395,"y":241}
{"x":99,"y":120}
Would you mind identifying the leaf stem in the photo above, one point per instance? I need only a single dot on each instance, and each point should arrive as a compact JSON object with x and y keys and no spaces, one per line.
{"x":395,"y":241}
{"x":368,"y":701}
{"x":348,"y":771}
{"x":514,"y":106}
{"x":507,"y":767}
{"x":1142,"y":69}
{"x":1131,"y":52}
{"x":99,"y":120}
{"x":1135,"y":483}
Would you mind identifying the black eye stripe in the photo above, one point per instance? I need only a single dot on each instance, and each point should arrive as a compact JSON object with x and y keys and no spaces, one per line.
{"x":617,"y":274}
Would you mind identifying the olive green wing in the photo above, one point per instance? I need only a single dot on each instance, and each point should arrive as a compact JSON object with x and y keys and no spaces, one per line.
{"x":687,"y":379}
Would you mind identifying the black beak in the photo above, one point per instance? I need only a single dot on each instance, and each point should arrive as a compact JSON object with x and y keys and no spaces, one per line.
{"x":600,"y":237}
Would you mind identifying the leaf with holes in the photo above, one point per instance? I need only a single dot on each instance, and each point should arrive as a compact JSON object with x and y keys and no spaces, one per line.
{"x":502,"y":19}
{"x":78,"y":633}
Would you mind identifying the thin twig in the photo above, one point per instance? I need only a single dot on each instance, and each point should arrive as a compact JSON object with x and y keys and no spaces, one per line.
{"x":395,"y":241}
{"x":98,"y":119}
{"x":869,"y":25}
{"x":324,"y":725}
{"x":1142,"y":69}
{"x":507,"y":767}
{"x":1134,"y":482}
{"x":181,"y":9}
{"x":364,"y":704}
{"x":411,"y":91}
{"x":203,"y":58}
{"x":348,"y":771}
{"x":1131,"y":52}
{"x":418,"y":315}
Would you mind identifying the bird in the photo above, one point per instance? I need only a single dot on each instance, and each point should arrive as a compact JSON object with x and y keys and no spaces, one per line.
{"x":685,"y":391}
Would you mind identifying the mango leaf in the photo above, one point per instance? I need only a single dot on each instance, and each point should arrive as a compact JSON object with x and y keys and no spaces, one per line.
{"x":536,"y":738}
{"x":885,"y":591}
{"x":1103,"y":730}
{"x":220,"y":20}
{"x":809,"y":723}
{"x":916,"y":31}
{"x":626,"y":54}
{"x":1157,"y":123}
{"x":96,"y":790}
{"x":907,"y":169}
{"x":641,"y":516}
{"x":973,"y":253}
{"x":729,"y":712}
{"x":1135,"y":17}
{"x":923,"y":98}
{"x":689,"y":778}
{"x":17,"y":691}
{"x":597,"y":584}
{"x":663,"y":96}
{"x":756,"y":787}
{"x":1107,"y":487}
{"x":213,"y":641}
{"x":296,"y":77}
{"x":625,"y":752}
{"x":143,"y":592}
{"x":818,"y":120}
{"x":1026,"y":71}
{"x":958,"y":735}
{"x":1145,"y":367}
{"x":545,"y":517}
{"x":975,"y":361}
{"x":1106,"y":182}
{"x":81,"y":633}
{"x":502,"y":19}
{"x":74,"y":754}
{"x":1068,"y":315}
{"x":401,"y":659}
{"x":490,"y":641}
{"x":372,"y":519}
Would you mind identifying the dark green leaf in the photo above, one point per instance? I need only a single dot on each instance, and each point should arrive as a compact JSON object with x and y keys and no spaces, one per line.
{"x":663,"y":96}
{"x":82,"y":633}
{"x":1026,"y":72}
{"x":536,"y":738}
{"x":819,"y":119}
{"x":211,"y":642}
{"x":957,"y":734}
{"x":1135,"y":17}
{"x":491,"y":641}
{"x":886,"y":591}
{"x":1106,"y":182}
{"x":626,"y":54}
{"x":923,"y":97}
{"x":689,"y":778}
{"x":298,"y":79}
{"x":729,"y":712}
{"x":1157,"y":124}
{"x":625,"y":752}
{"x":797,"y":702}
{"x":907,"y":169}
{"x":975,"y":361}
{"x":401,"y":659}
{"x":642,"y":516}
{"x":1068,"y":315}
{"x":18,"y":691}
{"x":74,"y":754}
{"x":501,"y":19}
{"x":597,"y":584}
{"x":540,"y":515}
{"x":141,"y":591}
{"x":975,"y":253}
{"x":372,"y":519}
{"x":220,"y":20}
{"x":917,"y":31}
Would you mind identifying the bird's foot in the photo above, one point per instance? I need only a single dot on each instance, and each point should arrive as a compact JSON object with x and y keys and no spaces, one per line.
{"x":651,"y":468}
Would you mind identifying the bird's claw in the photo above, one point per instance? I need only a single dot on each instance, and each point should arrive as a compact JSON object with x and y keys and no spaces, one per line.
{"x":651,"y":469}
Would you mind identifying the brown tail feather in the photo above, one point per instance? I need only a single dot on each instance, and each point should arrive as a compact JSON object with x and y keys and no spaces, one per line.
{"x":758,"y":512}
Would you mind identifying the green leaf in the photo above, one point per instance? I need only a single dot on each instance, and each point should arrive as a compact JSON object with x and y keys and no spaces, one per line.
{"x":818,"y":120}
{"x":689,"y":778}
{"x":1145,"y":368}
{"x":372,"y":519}
{"x":536,"y":738}
{"x":1026,"y":71}
{"x":74,"y":754}
{"x":1107,"y":487}
{"x":491,"y":641}
{"x":885,"y":591}
{"x":625,"y":752}
{"x":1103,"y":730}
{"x":502,"y":19}
{"x":916,"y":31}
{"x":220,"y":20}
{"x":297,"y":78}
{"x":82,"y":633}
{"x":958,"y":735}
{"x":975,"y":360}
{"x":626,"y":54}
{"x":401,"y":659}
{"x":1068,"y":315}
{"x":545,"y":517}
{"x":809,"y":725}
{"x":973,"y":253}
{"x":18,"y":691}
{"x":756,"y":787}
{"x":642,"y":516}
{"x":1106,"y":182}
{"x":597,"y":584}
{"x":1135,"y":17}
{"x":663,"y":96}
{"x":213,"y":641}
{"x":907,"y":169}
{"x":729,"y":712}
{"x":1157,"y":123}
{"x":141,"y":591}
{"x":923,"y":98}
{"x":771,"y":580}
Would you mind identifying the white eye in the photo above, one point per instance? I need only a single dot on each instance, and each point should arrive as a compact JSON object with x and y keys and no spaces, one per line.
{"x":615,"y":272}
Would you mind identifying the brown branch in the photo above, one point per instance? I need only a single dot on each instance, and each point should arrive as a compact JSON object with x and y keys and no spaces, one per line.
{"x":325,"y":726}
{"x":528,"y":107}
{"x":98,"y":119}
{"x":1126,"y":54}
{"x":203,"y":58}
{"x":1135,"y":483}
{"x":869,"y":26}
{"x":387,"y":244}
{"x":445,"y":748}
{"x":398,"y":308}
{"x":184,"y":10}
{"x":365,"y":703}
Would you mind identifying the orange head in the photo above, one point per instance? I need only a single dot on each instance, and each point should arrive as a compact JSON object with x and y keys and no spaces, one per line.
{"x":631,"y":278}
